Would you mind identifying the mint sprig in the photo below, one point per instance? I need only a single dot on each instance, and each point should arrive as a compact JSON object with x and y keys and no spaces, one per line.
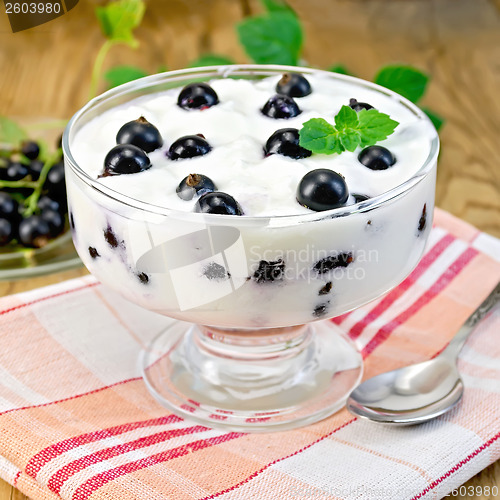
{"x":118,"y":20}
{"x":351,"y":129}
{"x":273,"y":38}
{"x":211,"y":60}
{"x":405,"y":80}
{"x":11,"y":134}
{"x":119,"y":75}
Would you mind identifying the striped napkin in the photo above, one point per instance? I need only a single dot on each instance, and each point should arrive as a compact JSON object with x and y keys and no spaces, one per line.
{"x":76,"y":421}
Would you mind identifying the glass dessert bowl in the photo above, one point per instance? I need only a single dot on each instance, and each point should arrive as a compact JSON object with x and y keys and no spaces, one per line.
{"x":252,"y":349}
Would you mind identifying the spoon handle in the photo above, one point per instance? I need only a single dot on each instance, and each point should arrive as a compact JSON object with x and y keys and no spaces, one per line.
{"x":458,"y":341}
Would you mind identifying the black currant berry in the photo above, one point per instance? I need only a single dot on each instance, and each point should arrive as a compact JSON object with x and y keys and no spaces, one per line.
{"x":140,"y":133}
{"x":46,"y":202}
{"x":30,"y":149}
{"x":281,"y":106}
{"x":9,"y":207}
{"x":35,"y":168}
{"x":269,"y":271}
{"x":93,"y":252}
{"x":34,"y":232}
{"x":189,"y":146}
{"x":125,"y":159}
{"x":376,"y":158}
{"x":194,"y":184}
{"x":197,"y":96}
{"x":358,"y":106}
{"x":322,"y":189}
{"x":342,"y":259}
{"x":321,"y":310}
{"x":285,"y":142}
{"x":217,"y":202}
{"x":3,"y":168}
{"x":55,"y":183}
{"x":111,"y":238}
{"x":6,"y":231}
{"x":55,"y":221}
{"x":293,"y":85}
{"x":325,"y":289}
{"x":422,"y":222}
{"x":16,"y":171}
{"x":143,"y":278}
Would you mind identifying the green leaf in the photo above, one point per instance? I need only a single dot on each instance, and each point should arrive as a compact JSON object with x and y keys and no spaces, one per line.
{"x":211,"y":60}
{"x":275,"y":38}
{"x":10,"y":132}
{"x":346,"y":118}
{"x":118,"y":20}
{"x":437,"y":121}
{"x":346,"y":124}
{"x":44,"y":150}
{"x":319,"y":136}
{"x":276,"y":6}
{"x":350,"y":131}
{"x":350,"y":139}
{"x":405,"y":80}
{"x":339,"y":68}
{"x":374,"y":126}
{"x":123,"y":74}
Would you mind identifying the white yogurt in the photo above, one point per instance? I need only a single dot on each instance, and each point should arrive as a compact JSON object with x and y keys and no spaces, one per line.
{"x":204,"y":267}
{"x":238,"y":131}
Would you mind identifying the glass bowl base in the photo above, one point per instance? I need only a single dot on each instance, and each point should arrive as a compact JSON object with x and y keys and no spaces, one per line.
{"x":252,"y":380}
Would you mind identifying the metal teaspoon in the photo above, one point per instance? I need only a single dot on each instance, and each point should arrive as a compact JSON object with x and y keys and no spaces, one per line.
{"x":422,"y":391}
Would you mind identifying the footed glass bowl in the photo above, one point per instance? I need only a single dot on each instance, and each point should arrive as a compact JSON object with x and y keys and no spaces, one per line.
{"x":253,"y":349}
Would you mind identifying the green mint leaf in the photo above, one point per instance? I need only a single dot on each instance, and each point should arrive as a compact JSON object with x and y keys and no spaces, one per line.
{"x":374,"y":126}
{"x":339,"y":68}
{"x":346,"y":123}
{"x":350,"y":139}
{"x":118,"y":20}
{"x":437,"y":121}
{"x":276,"y":6}
{"x":319,"y":136}
{"x":346,"y":118}
{"x":405,"y":80}
{"x":211,"y":60}
{"x":123,"y":74}
{"x":10,"y":132}
{"x":351,"y":130}
{"x":275,"y":38}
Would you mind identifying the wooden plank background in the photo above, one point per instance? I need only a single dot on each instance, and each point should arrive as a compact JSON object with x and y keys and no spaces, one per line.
{"x":45,"y":72}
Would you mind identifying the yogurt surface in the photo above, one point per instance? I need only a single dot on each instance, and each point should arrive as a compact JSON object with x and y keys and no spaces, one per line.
{"x":237,"y":130}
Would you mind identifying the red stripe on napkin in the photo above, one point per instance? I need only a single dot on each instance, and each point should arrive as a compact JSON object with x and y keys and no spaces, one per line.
{"x":57,"y":480}
{"x":428,"y":259}
{"x":46,"y":455}
{"x":445,"y":279}
{"x":84,"y":491}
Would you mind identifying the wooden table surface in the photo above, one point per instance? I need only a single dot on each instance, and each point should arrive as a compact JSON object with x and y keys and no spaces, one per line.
{"x":45,"y":72}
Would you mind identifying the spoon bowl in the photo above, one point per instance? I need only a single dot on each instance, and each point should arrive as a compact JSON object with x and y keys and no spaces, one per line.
{"x":420,"y":392}
{"x":410,"y":395}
